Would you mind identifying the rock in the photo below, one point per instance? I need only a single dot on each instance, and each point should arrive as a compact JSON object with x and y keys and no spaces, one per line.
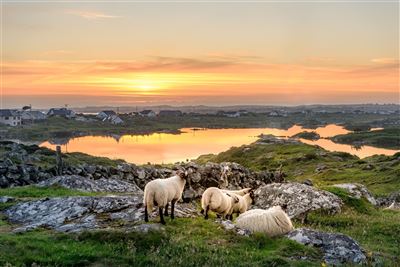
{"x":230,"y":226}
{"x":358,"y":191}
{"x":308,"y":182}
{"x":299,"y":198}
{"x":83,"y":184}
{"x":389,"y":200}
{"x":337,"y":248}
{"x":74,"y":214}
{"x":68,"y":213}
{"x":5,"y":199}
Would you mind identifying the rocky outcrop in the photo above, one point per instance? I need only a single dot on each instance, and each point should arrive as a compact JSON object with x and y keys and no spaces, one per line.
{"x":73,"y":214}
{"x":358,"y":191}
{"x":88,"y":185}
{"x":300,"y":199}
{"x":337,"y":248}
{"x":390,"y":202}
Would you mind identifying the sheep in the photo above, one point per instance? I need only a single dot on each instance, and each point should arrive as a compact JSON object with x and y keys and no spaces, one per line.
{"x":273,"y":221}
{"x":160,"y":192}
{"x":241,"y":192}
{"x":216,"y":200}
{"x":243,"y":204}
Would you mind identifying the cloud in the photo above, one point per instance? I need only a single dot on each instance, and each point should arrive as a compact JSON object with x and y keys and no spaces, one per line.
{"x":91,"y":15}
{"x":56,"y":53}
{"x":385,"y":60}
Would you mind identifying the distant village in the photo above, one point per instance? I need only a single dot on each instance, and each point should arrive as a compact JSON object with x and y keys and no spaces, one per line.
{"x":26,"y":115}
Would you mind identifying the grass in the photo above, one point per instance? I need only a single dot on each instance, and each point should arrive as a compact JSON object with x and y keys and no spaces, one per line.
{"x":381,"y":174}
{"x":385,"y":138}
{"x":377,"y":230}
{"x":32,"y":191}
{"x":186,"y":242}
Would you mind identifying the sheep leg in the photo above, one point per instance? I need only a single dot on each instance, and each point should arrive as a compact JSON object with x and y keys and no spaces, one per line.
{"x":206,"y":213}
{"x":160,"y":211}
{"x":146,"y":214}
{"x":166,"y":210}
{"x":173,"y":209}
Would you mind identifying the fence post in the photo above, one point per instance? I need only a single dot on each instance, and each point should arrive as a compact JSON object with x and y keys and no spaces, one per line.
{"x":59,"y":164}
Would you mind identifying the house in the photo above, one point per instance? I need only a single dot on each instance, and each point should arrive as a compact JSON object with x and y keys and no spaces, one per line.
{"x":114,"y":119}
{"x":147,"y":113}
{"x":106,"y":113}
{"x":170,"y":113}
{"x":61,"y":112}
{"x":229,"y":114}
{"x":10,"y":117}
{"x":32,"y":115}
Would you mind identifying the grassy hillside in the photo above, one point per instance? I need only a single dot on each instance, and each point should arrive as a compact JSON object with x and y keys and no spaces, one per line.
{"x":381,"y":174}
{"x":386,"y":138}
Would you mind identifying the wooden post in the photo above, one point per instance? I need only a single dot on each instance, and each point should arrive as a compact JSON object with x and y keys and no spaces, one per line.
{"x":59,"y":164}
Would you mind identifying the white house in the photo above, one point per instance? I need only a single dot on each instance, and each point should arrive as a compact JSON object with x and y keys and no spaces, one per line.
{"x":106,"y":113}
{"x":147,"y":113}
{"x":114,"y":119}
{"x":10,"y":117}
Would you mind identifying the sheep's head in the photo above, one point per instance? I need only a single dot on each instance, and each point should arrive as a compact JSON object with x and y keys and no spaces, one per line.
{"x":252,"y":196}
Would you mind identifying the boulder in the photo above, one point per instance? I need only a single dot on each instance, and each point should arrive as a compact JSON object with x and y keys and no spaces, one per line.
{"x":393,"y":201}
{"x":358,"y":191}
{"x":6,"y":199}
{"x":300,"y":199}
{"x":230,"y":226}
{"x":74,"y":214}
{"x":337,"y":248}
{"x":83,"y":184}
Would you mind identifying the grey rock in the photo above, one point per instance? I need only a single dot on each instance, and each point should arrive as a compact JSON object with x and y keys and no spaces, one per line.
{"x":337,"y":248}
{"x":300,"y":199}
{"x":73,"y":214}
{"x":358,"y":191}
{"x":230,"y":226}
{"x":88,"y":185}
{"x":389,"y":200}
{"x":5,"y":199}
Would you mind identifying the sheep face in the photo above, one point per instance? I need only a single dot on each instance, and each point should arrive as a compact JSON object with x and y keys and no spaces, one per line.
{"x":252,"y":196}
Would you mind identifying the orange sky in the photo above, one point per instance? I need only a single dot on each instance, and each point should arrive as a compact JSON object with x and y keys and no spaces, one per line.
{"x":97,"y":54}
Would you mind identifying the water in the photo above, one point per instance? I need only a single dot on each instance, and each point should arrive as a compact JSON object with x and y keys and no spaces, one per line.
{"x":169,"y":148}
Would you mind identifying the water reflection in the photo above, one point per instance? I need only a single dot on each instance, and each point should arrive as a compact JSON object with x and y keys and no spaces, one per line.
{"x":167,"y":148}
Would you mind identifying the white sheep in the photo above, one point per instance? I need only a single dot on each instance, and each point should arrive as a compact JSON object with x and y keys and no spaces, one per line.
{"x":160,"y":192}
{"x":243,"y":204}
{"x":241,"y":192}
{"x":273,"y":221}
{"x":216,"y":200}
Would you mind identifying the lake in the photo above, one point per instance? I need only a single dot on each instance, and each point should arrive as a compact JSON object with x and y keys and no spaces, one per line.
{"x":170,"y":148}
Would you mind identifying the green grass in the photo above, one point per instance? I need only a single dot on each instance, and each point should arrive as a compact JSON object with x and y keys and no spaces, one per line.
{"x":386,"y":138}
{"x":381,"y":174}
{"x":32,"y":191}
{"x":186,"y":242}
{"x":377,"y":230}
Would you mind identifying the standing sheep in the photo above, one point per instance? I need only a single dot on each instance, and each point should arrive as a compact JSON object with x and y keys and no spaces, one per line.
{"x":273,"y":221}
{"x":243,"y":204}
{"x":216,"y":200}
{"x":160,"y":192}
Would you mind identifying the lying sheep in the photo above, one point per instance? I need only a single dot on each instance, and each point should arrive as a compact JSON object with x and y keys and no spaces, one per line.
{"x":273,"y":221}
{"x":243,"y":204}
{"x":160,"y":192}
{"x":216,"y":200}
{"x":241,"y":192}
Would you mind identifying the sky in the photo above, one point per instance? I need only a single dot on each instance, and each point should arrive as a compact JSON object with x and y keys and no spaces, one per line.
{"x":190,"y":53}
